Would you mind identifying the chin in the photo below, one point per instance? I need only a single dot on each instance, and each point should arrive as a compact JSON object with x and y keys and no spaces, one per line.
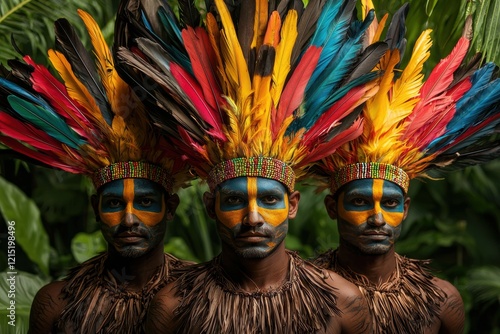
{"x":253,"y":253}
{"x":132,"y":252}
{"x":375,"y":250}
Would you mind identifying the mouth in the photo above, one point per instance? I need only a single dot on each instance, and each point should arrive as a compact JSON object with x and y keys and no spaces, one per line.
{"x":130,"y":237}
{"x":252,"y":236}
{"x":377,"y":235}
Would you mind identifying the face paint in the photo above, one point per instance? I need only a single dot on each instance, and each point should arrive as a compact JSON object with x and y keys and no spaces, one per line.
{"x":138,"y":197}
{"x":370,"y":212}
{"x":372,"y":197}
{"x":237,"y":199}
{"x":252,"y":215}
{"x":132,"y":213}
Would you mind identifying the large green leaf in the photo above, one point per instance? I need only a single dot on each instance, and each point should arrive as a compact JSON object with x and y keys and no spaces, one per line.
{"x":30,"y":234}
{"x":87,"y":245}
{"x":17,"y":292}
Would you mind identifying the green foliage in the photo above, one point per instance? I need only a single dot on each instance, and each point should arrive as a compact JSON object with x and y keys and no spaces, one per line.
{"x":35,"y":18}
{"x":86,"y":245}
{"x":22,"y":293}
{"x":29,"y":231}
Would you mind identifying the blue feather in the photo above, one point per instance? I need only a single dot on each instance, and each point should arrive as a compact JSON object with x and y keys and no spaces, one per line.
{"x":480,"y":102}
{"x":18,"y":90}
{"x":45,"y":121}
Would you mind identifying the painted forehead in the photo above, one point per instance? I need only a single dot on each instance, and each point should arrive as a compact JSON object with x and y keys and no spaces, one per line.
{"x":240,"y":184}
{"x":365,"y":187}
{"x":141,"y":187}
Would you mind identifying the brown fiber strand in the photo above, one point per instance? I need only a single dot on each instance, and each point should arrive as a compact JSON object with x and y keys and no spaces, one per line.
{"x":98,"y":303}
{"x":211,"y":303}
{"x":408,"y":302}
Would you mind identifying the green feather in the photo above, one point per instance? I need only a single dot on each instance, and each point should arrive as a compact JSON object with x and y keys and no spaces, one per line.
{"x":46,"y":121}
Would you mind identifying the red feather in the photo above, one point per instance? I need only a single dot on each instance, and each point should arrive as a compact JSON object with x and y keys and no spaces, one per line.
{"x":334,"y":114}
{"x":432,"y":90}
{"x":44,"y":157}
{"x":28,"y":134}
{"x":191,"y":88}
{"x":202,"y":56}
{"x":293,"y":93}
{"x":327,"y":148}
{"x":55,"y":92}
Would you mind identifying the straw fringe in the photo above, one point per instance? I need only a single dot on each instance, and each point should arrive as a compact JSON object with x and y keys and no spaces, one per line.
{"x":407,"y":303}
{"x":305,"y":303}
{"x":99,"y":303}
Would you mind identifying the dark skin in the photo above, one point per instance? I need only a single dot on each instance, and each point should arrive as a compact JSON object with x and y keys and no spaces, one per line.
{"x":381,"y":263}
{"x":264,"y":273}
{"x":133,"y":271}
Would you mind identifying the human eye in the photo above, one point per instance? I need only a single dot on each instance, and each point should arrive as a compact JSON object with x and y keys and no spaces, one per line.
{"x":358,"y":201}
{"x":391,"y":203}
{"x":233,"y":200}
{"x":270,"y":200}
{"x":113,"y":203}
{"x":146,"y":202}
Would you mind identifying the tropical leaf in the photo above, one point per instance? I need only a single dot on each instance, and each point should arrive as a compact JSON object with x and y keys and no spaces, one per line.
{"x":22,"y":293}
{"x":87,"y":245}
{"x":31,"y":23}
{"x":485,"y":285}
{"x":28,"y":230}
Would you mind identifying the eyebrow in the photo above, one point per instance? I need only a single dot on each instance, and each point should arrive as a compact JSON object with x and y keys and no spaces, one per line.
{"x":267,"y":192}
{"x":230,"y":192}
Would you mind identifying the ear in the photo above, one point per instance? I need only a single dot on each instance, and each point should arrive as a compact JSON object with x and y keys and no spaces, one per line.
{"x":293,"y":204}
{"x":94,"y":200}
{"x":209,"y":201}
{"x":406,"y":207}
{"x":172,"y":203}
{"x":331,"y":206}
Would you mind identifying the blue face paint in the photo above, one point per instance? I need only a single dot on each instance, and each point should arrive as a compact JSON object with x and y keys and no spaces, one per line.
{"x":252,"y":215}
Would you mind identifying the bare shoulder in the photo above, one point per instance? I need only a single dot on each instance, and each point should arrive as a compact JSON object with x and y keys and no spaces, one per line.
{"x":355,"y":315}
{"x":452,"y":314}
{"x":160,"y":317}
{"x":46,"y":308}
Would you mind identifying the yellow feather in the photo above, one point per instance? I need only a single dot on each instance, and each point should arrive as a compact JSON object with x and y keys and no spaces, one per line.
{"x":408,"y":85}
{"x":234,"y":61}
{"x":114,"y":86}
{"x":76,"y":90}
{"x":260,"y":22}
{"x":214,"y":35}
{"x":283,"y":54}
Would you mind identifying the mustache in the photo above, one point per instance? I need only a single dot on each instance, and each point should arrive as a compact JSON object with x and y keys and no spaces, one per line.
{"x":264,"y":229}
{"x":140,"y":230}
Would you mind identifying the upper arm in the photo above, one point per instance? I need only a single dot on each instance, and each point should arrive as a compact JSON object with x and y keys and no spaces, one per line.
{"x":452,"y":311}
{"x":46,"y":308}
{"x":160,"y":317}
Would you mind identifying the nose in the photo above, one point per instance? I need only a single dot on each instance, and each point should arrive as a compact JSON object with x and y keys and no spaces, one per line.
{"x":130,"y":220}
{"x":253,"y":218}
{"x":376,"y":219}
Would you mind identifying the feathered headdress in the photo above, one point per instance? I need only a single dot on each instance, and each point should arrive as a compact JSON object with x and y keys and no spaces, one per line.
{"x":254,"y":88}
{"x":92,"y":124}
{"x":414,"y":126}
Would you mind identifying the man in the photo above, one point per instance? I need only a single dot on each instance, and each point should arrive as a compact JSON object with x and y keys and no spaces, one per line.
{"x":266,"y":288}
{"x":259,"y":92}
{"x":133,"y":213}
{"x":95,"y":125}
{"x":403,"y":295}
{"x":412,"y":129}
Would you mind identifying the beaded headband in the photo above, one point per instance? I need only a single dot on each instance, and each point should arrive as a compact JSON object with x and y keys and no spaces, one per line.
{"x":254,"y":166}
{"x":369,"y":170}
{"x":133,"y":169}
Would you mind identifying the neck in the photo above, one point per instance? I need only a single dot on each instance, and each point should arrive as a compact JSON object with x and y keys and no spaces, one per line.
{"x":135,"y":273}
{"x":258,"y":274}
{"x":377,"y":268}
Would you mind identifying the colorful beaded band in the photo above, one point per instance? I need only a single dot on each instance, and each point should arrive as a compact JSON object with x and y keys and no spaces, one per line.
{"x":133,"y":169}
{"x":369,"y":170}
{"x":255,"y":166}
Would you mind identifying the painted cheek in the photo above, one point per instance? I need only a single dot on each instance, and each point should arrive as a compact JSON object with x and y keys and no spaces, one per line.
{"x":229,"y":218}
{"x":275,"y":217}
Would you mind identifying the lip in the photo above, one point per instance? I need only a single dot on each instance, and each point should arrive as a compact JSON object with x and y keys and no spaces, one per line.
{"x":252,"y":237}
{"x":130,"y":237}
{"x":375,"y":235}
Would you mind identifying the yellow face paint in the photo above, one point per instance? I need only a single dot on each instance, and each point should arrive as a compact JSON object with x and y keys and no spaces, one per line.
{"x":131,"y":197}
{"x":244,"y":196}
{"x":372,"y":197}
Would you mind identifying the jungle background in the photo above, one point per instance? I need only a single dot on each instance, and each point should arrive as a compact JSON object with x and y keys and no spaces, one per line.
{"x":454,"y":221}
